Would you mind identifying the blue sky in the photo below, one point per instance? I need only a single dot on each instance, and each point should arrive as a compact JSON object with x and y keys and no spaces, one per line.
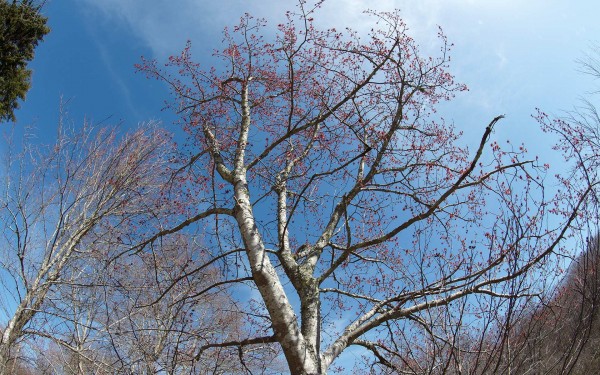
{"x":514,"y":55}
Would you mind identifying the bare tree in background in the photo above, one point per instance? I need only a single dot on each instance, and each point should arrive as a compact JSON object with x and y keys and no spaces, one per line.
{"x":79,"y":294}
{"x":59,"y":205}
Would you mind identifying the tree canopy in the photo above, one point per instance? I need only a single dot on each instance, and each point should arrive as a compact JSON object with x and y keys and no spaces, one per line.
{"x":22,"y":27}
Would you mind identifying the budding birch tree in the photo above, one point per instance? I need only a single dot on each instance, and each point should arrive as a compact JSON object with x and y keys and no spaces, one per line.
{"x":335,"y":192}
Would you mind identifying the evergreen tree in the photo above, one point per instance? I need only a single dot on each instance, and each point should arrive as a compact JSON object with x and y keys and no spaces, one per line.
{"x":21,"y":28}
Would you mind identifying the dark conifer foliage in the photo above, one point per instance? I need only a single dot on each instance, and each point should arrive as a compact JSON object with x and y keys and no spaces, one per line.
{"x":22,"y":27}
